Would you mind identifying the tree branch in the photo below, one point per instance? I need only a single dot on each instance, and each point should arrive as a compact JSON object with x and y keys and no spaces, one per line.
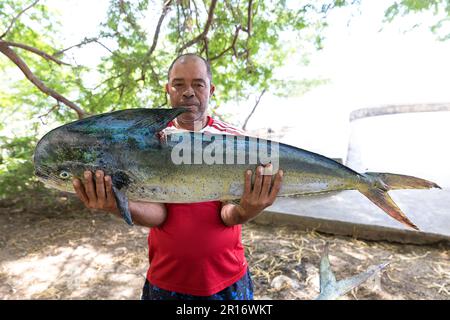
{"x":178,"y":23}
{"x":202,"y":35}
{"x":166,"y":8}
{"x":34,"y":50}
{"x":17,"y":17}
{"x":82,"y":43}
{"x":232,"y":46}
{"x":249,"y":18}
{"x":56,"y":106}
{"x":149,"y":53}
{"x":249,"y":27}
{"x":37,"y":82}
{"x":107,"y":80}
{"x":253,"y":110}
{"x":205,"y":40}
{"x":196,"y":13}
{"x":120,"y":86}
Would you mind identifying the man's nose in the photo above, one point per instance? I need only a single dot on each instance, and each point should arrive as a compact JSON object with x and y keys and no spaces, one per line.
{"x":189,"y":92}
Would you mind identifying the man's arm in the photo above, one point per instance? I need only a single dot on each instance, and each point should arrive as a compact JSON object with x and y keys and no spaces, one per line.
{"x":255,"y":200}
{"x":99,"y":195}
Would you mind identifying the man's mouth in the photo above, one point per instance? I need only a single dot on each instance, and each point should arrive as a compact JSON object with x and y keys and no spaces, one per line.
{"x":191,"y":107}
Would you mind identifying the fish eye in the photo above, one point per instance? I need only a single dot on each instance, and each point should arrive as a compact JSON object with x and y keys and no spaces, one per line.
{"x":64,"y":174}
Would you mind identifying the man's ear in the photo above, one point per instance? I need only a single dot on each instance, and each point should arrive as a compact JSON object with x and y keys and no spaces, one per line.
{"x":167,"y":87}
{"x":212,"y":89}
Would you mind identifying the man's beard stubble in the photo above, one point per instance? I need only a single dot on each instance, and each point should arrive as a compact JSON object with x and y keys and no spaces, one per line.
{"x":192,"y":117}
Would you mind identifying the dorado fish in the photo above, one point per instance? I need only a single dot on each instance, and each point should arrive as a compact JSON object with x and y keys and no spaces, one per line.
{"x":185,"y":167}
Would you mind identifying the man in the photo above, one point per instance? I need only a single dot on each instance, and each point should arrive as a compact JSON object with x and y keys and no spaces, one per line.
{"x":195,"y":249}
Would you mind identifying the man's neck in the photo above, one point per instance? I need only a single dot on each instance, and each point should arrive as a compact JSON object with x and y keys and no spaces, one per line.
{"x":191,"y":126}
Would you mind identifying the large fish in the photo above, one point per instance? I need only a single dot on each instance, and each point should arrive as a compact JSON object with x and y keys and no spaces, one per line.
{"x":192,"y":166}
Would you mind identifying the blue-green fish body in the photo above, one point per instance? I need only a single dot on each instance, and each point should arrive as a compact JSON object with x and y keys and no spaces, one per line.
{"x":188,"y":167}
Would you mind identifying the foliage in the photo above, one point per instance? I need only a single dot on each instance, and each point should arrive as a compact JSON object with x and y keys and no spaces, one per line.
{"x":245,"y":42}
{"x":242,"y":42}
{"x":439,"y":8}
{"x":38,"y":29}
{"x":16,"y":166}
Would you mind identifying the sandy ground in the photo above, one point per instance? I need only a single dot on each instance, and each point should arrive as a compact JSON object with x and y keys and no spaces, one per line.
{"x":52,"y":248}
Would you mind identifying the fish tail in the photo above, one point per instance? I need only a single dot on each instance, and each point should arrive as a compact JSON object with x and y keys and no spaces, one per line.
{"x":381,"y":183}
{"x":331,"y":289}
{"x":399,"y":181}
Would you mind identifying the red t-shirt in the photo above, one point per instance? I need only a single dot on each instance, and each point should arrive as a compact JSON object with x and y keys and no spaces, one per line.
{"x":193,"y":252}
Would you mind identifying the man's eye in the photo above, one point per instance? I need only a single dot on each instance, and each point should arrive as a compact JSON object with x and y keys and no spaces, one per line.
{"x":199,"y":85}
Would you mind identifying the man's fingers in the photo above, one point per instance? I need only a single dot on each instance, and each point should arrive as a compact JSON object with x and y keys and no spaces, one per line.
{"x":258,"y":181}
{"x":109,"y":190}
{"x":100,"y":187}
{"x":79,"y":190}
{"x":276,"y":186}
{"x":267,"y":180}
{"x":90,"y":188}
{"x":248,"y":182}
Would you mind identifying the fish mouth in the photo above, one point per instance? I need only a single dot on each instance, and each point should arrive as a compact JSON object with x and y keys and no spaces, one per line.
{"x":42,"y":176}
{"x":51,"y":182}
{"x":45,"y":178}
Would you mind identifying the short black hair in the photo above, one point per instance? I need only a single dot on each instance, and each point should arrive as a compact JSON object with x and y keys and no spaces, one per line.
{"x":207,"y":64}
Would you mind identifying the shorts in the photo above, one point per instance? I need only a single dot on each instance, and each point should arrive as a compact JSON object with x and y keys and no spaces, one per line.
{"x":240,"y":290}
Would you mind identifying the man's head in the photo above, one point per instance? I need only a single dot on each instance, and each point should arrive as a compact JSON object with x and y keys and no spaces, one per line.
{"x":189,"y":85}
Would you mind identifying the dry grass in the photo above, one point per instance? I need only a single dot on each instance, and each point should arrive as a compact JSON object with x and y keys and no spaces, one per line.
{"x":415,"y":272}
{"x":58,"y":250}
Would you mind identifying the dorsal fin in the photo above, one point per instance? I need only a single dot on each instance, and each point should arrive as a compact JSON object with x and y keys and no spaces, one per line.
{"x":159,"y":119}
{"x":126,"y":120}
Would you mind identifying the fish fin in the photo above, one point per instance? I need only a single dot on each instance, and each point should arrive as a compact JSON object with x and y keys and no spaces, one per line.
{"x":120,"y":179}
{"x":330,"y":289}
{"x":380,"y":182}
{"x":399,"y":181}
{"x":327,"y":277}
{"x":346,"y":285}
{"x":125,"y":120}
{"x":382,"y":199}
{"x":122,"y":204}
{"x":157,"y":119}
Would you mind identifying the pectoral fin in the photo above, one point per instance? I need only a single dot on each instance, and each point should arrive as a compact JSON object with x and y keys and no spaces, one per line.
{"x":122,"y":204}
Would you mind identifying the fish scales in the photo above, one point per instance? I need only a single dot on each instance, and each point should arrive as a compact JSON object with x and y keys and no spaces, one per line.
{"x":189,"y":167}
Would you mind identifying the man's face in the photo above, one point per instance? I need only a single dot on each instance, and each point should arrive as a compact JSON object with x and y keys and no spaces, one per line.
{"x":189,"y":86}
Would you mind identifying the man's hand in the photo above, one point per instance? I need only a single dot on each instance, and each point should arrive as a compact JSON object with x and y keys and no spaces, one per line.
{"x":99,"y":195}
{"x":254,"y":200}
{"x":96,"y":195}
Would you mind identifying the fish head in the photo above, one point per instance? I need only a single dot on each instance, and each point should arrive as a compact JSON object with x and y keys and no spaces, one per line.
{"x":97,"y":142}
{"x":58,"y":177}
{"x":61,"y":156}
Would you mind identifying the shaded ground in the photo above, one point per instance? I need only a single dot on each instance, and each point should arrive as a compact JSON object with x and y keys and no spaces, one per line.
{"x":58,"y":250}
